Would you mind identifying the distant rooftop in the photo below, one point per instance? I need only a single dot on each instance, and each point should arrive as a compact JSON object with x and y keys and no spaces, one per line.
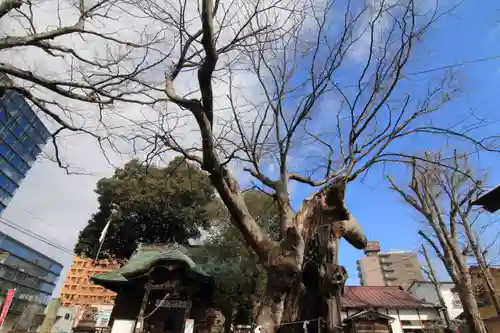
{"x":396,"y":252}
{"x":428,"y":282}
{"x":489,"y":200}
{"x":381,"y":297}
{"x":475,"y":267}
{"x":425,"y":281}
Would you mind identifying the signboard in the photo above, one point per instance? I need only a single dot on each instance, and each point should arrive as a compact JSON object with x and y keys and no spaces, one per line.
{"x":6,"y":304}
{"x":102,"y":319}
{"x":174,"y":303}
{"x":189,"y":326}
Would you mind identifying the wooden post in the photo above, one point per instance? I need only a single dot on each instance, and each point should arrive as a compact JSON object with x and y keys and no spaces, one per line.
{"x":147,"y":289}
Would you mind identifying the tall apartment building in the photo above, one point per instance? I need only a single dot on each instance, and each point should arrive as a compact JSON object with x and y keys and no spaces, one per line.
{"x":391,"y":268}
{"x":22,"y":138}
{"x":79,"y":290}
{"x":32,"y":274}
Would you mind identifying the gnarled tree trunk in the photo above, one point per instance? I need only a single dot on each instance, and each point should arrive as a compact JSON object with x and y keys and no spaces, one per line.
{"x":315,"y":291}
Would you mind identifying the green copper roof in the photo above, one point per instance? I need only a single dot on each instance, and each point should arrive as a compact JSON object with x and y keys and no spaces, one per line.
{"x":144,"y":258}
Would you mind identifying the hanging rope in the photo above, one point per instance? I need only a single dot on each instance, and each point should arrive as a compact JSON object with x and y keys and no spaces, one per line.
{"x":305,"y":323}
{"x":157,"y":306}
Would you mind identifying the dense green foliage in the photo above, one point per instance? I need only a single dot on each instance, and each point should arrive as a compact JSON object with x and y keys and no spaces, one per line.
{"x":155,"y":205}
{"x":160,"y":205}
{"x":240,"y":279}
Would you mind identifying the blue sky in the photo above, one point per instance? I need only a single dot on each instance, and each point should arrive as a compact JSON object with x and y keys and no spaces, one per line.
{"x":470,"y":33}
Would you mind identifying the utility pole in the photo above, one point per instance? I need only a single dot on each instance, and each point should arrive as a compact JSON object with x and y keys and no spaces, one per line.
{"x":435,"y":282}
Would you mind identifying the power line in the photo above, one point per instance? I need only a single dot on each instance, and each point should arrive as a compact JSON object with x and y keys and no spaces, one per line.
{"x":35,"y":235}
{"x":471,"y":62}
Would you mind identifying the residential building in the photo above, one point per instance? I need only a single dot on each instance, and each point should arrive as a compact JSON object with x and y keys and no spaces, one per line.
{"x":426,"y":291}
{"x":31,"y":273}
{"x":391,"y":268}
{"x":22,"y":138}
{"x":78,"y":289}
{"x":385,"y":310}
{"x":486,"y":307}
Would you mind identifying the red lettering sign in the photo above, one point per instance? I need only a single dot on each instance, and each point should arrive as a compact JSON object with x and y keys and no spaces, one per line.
{"x":6,"y":304}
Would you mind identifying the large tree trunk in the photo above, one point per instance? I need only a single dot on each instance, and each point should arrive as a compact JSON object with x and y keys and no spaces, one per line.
{"x":279,"y":284}
{"x":476,"y":324}
{"x":284,"y":270}
{"x":322,"y":220}
{"x":271,"y":311}
{"x":459,"y":270}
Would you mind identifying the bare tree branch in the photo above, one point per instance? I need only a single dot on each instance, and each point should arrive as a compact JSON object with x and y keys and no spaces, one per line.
{"x":442,"y":195}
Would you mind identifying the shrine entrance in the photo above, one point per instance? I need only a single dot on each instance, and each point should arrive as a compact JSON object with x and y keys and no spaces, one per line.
{"x":165,"y":311}
{"x":166,"y":320}
{"x":158,"y":289}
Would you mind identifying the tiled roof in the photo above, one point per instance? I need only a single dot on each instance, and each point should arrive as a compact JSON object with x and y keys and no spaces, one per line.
{"x":380,"y":297}
{"x":143,"y":259}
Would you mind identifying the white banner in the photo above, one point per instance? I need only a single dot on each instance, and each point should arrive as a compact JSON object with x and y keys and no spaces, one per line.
{"x":189,"y":326}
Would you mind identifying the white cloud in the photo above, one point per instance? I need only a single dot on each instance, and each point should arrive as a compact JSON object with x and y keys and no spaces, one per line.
{"x":56,"y":205}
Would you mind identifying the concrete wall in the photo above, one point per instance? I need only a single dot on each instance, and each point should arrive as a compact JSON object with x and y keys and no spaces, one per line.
{"x":64,"y":322}
{"x":370,"y":271}
{"x":403,"y":318}
{"x":427,"y":292}
{"x":10,"y":321}
{"x":393,"y":268}
{"x":400,"y":268}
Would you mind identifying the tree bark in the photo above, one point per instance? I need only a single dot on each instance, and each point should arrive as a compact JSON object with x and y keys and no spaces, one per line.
{"x":488,"y":278}
{"x":467,"y":297}
{"x":324,"y":219}
{"x":473,"y":317}
{"x":272,"y":305}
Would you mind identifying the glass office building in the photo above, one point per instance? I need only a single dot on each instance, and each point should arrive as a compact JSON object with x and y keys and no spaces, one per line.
{"x":22,"y":138}
{"x":32,"y":274}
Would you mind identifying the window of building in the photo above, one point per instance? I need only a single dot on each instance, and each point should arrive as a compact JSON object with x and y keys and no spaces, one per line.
{"x":26,"y":267}
{"x":11,"y":172}
{"x":27,"y":254}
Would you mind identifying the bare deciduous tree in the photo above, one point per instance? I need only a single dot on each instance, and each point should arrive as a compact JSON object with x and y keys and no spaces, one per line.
{"x":329,"y":80}
{"x":302,"y":65}
{"x":441,"y":193}
{"x":84,"y":67}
